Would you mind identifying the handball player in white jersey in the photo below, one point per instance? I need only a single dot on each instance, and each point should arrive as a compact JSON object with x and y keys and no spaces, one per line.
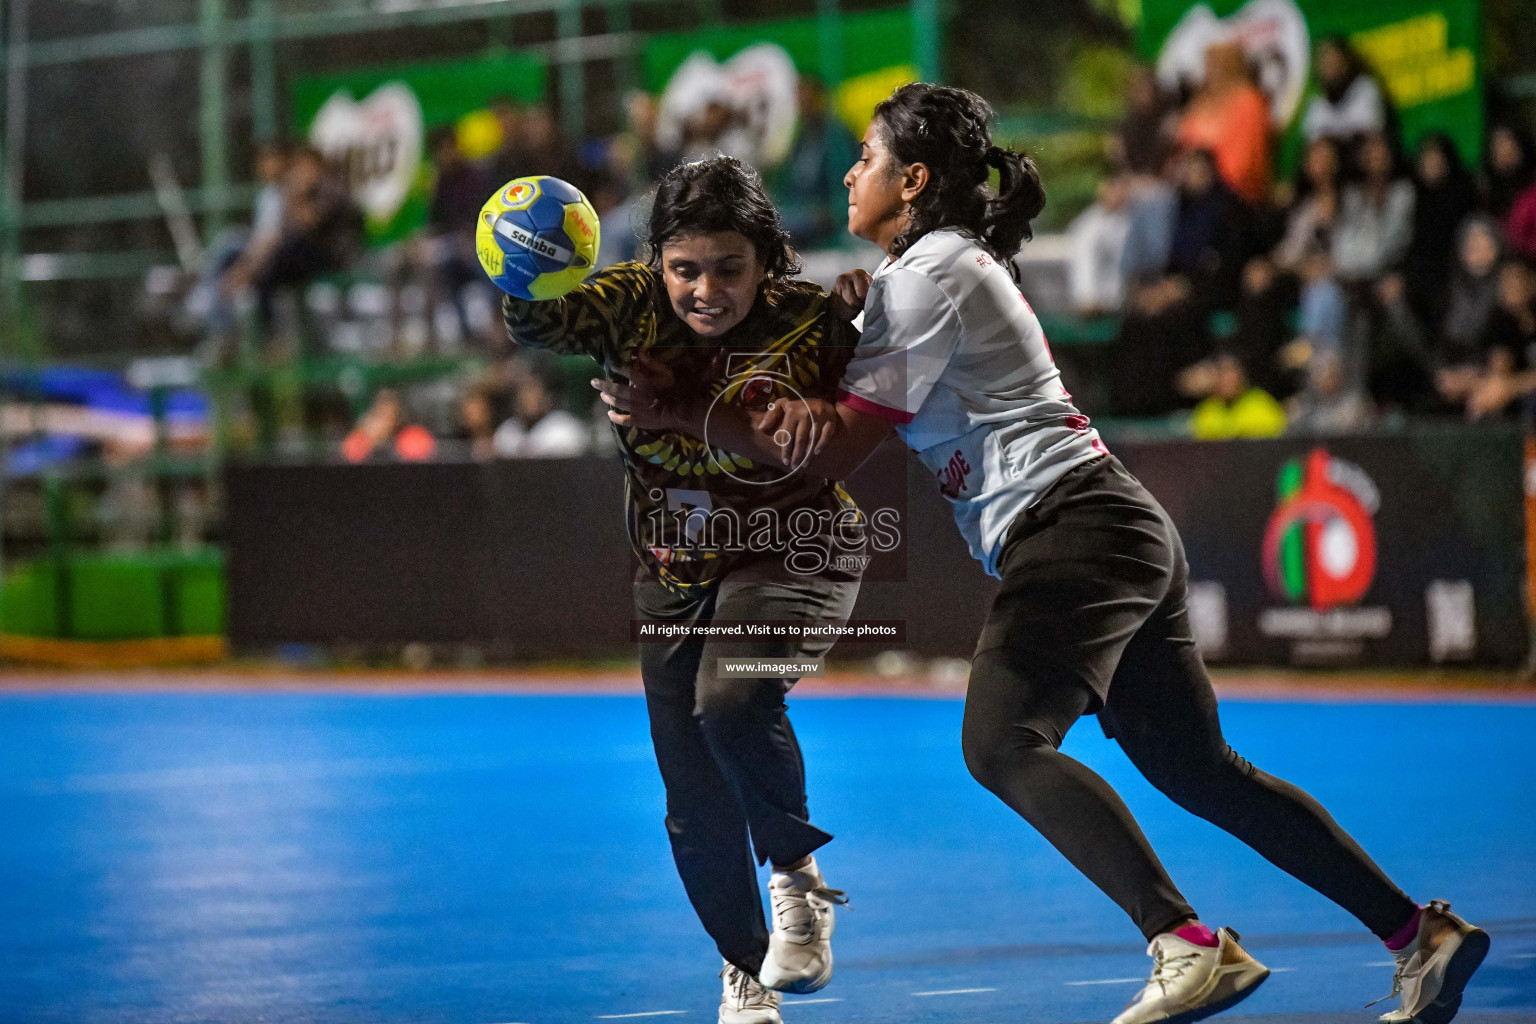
{"x":1091,"y":615}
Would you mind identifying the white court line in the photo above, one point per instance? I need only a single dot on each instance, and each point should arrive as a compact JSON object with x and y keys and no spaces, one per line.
{"x":1382,"y":963}
{"x":647,"y":1013}
{"x":1522,"y":956}
{"x":954,"y":991}
{"x":808,"y":1002}
{"x":1127,"y":981}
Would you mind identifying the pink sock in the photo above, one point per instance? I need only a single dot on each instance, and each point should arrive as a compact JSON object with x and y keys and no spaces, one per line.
{"x":1199,"y":935}
{"x":1407,"y":933}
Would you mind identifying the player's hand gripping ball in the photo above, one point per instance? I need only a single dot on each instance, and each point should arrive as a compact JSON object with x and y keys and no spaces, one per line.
{"x":537,"y":237}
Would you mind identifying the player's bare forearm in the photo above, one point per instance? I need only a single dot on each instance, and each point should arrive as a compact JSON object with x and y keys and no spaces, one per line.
{"x":837,"y":447}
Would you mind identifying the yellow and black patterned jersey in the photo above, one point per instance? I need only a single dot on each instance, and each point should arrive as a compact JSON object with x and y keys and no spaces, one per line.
{"x":694,"y":510}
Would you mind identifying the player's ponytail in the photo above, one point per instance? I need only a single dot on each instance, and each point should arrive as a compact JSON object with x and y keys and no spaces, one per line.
{"x":1020,"y":198}
{"x":945,"y":129}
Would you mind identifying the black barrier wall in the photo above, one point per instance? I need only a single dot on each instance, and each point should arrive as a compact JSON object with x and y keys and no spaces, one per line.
{"x":1399,"y":550}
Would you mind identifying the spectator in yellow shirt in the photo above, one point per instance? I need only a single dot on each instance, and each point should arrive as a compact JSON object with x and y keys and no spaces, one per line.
{"x":1235,"y":409}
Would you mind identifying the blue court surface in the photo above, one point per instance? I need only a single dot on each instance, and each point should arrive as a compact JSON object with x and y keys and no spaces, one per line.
{"x":476,"y":859}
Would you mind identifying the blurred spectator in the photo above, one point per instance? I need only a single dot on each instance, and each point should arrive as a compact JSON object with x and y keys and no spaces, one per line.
{"x":717,"y":127}
{"x":1509,"y":168}
{"x":1098,"y":238}
{"x":1402,"y":359}
{"x":1235,"y":408}
{"x":321,"y":233}
{"x":645,"y":158}
{"x":1318,"y":194}
{"x":460,"y":190}
{"x":1444,"y":194}
{"x":545,"y":150}
{"x":1166,"y":327}
{"x":618,"y":213}
{"x":1327,"y":405}
{"x":383,"y":431}
{"x":1229,"y":116}
{"x":228,"y":261}
{"x":536,"y":429}
{"x":1263,"y":328}
{"x":1520,"y":228}
{"x":1349,"y":103}
{"x":1151,"y":207}
{"x":809,"y":191}
{"x":530,"y":144}
{"x":1207,"y":229}
{"x":477,"y":422}
{"x":1474,"y":294}
{"x":1375,"y":221}
{"x":1509,"y":374}
{"x":1144,"y":140}
{"x":510,"y":160}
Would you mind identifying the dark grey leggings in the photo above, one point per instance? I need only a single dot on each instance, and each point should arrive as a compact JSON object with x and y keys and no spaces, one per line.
{"x":1091,"y":616}
{"x":727,"y":752}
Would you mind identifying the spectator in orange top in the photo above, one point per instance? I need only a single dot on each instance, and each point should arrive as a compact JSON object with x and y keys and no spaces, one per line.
{"x":1230,"y":117}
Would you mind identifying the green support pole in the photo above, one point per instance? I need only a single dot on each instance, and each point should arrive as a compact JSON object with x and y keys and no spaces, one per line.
{"x":626,"y":76}
{"x":263,"y":72}
{"x":573,"y":83}
{"x":829,"y":40}
{"x":926,"y":29}
{"x":12,"y":148}
{"x":211,"y":121}
{"x":499,"y":35}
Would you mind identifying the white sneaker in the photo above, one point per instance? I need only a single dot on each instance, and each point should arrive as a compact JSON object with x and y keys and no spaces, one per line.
{"x":1433,"y":969}
{"x":800,"y":949}
{"x":1191,"y":982}
{"x":745,"y":1001}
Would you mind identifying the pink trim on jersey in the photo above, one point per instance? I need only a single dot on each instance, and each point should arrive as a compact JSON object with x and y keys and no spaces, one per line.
{"x":868,"y":408}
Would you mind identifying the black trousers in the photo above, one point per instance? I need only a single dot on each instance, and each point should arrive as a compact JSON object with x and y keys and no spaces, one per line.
{"x":728,"y":755}
{"x":1091,"y":617}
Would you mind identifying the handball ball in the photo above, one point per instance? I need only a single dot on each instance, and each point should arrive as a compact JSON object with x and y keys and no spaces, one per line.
{"x":537,"y":237}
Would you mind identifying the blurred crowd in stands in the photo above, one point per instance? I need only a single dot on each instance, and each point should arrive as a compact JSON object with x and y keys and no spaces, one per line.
{"x":436,"y":299}
{"x":1376,"y":282}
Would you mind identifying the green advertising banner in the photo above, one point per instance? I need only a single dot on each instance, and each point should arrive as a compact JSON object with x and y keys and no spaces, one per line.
{"x":753,"y":68}
{"x":1425,"y":52}
{"x":375,"y":121}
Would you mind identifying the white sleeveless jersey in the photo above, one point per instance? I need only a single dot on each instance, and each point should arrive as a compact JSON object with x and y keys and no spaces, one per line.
{"x":953,"y":356}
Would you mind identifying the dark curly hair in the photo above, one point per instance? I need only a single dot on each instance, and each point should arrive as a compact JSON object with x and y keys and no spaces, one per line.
{"x":946,"y":129}
{"x":719,"y":194}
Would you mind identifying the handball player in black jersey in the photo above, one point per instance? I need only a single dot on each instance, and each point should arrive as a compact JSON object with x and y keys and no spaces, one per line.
{"x":1091,"y":615}
{"x":715,"y":316}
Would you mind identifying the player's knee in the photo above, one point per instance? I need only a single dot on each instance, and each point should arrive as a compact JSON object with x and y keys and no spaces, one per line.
{"x":721,"y":705}
{"x":703,"y":824}
{"x":997,"y":754}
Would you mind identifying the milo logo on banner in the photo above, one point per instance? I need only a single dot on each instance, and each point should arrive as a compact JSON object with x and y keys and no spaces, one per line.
{"x":378,"y":140}
{"x":1274,"y":36}
{"x":1424,"y":51}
